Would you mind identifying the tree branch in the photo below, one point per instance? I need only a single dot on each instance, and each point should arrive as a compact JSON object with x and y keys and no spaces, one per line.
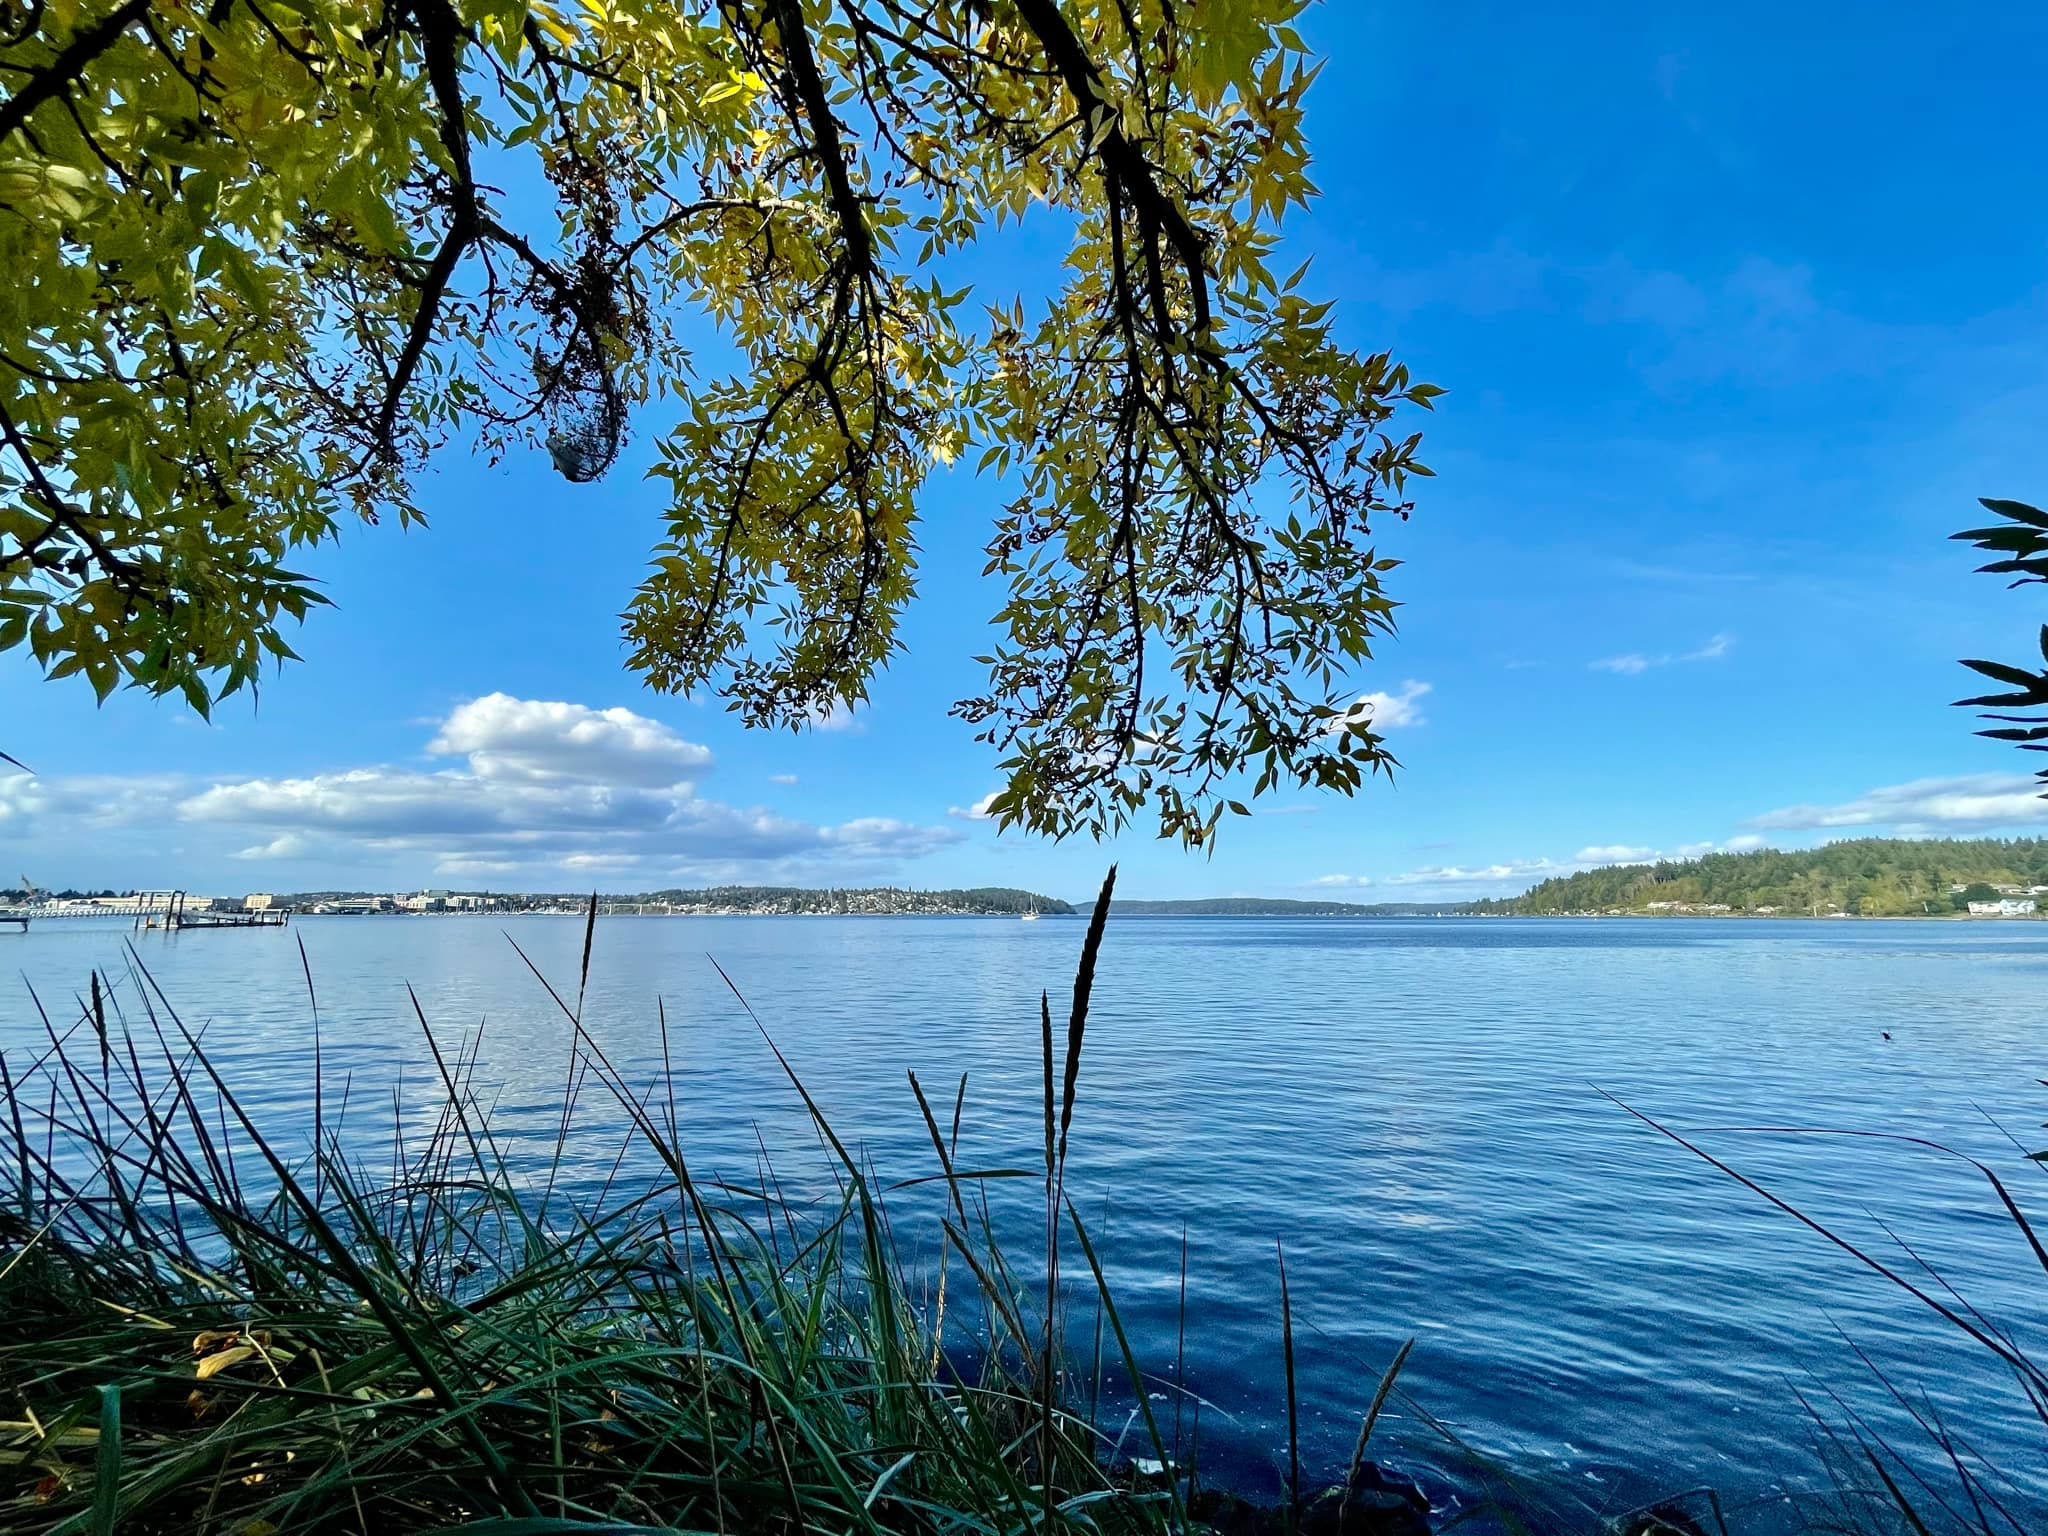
{"x":809,"y":87}
{"x":1120,"y":155}
{"x":440,"y":31}
{"x":69,"y":63}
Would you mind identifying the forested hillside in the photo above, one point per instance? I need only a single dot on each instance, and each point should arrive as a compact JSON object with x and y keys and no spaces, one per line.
{"x":1870,"y":876}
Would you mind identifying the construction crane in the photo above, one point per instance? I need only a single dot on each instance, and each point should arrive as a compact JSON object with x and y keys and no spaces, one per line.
{"x":29,"y":886}
{"x":17,"y":917}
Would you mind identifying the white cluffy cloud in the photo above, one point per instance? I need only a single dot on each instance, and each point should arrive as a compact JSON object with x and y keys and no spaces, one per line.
{"x":538,"y":742}
{"x":1385,"y":711}
{"x":1526,"y":870}
{"x":837,"y":716}
{"x":1341,"y":882}
{"x":1969,"y":803}
{"x":979,"y":811}
{"x":1635,"y":662}
{"x":288,"y":845}
{"x":1962,"y":805}
{"x":1617,"y":853}
{"x":1623,"y":853}
{"x":1513,"y":876}
{"x":529,"y":789}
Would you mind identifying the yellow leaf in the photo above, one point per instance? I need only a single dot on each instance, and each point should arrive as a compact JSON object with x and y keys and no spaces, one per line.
{"x":220,"y":1360}
{"x":549,"y":22}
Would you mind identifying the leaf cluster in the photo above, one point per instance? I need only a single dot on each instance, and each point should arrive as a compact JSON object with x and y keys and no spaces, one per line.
{"x":2021,"y":713}
{"x":268,"y":258}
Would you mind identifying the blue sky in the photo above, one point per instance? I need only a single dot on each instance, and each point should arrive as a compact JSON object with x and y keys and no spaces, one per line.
{"x":1739,"y":308}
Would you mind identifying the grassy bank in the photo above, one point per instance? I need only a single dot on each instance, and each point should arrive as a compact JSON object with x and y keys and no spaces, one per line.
{"x":205,"y":1330}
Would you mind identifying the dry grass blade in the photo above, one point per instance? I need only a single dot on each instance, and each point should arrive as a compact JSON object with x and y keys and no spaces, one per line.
{"x":1293,"y":1408}
{"x":1372,"y":1414}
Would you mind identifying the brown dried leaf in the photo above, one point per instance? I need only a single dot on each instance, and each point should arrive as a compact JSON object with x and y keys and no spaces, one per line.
{"x":220,"y":1360}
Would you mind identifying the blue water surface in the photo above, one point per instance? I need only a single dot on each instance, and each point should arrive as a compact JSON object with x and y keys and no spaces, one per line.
{"x":1418,"y":1111}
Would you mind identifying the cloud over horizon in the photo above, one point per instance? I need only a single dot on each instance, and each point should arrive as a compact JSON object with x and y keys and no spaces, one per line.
{"x":1616,"y":853}
{"x":1964,"y":805}
{"x":1530,"y":870}
{"x":539,"y":789}
{"x":1510,"y":877}
{"x":1978,"y":802}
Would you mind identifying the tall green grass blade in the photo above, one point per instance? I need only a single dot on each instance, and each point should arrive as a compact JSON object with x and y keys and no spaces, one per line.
{"x":106,"y":1463}
{"x":1084,"y":989}
{"x":1139,"y":1389}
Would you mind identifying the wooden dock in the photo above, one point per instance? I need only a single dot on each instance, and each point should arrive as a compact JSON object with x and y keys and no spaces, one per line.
{"x":228,"y":920}
{"x":173,"y":916}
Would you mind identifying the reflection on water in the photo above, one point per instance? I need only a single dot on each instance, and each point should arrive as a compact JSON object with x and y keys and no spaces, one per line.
{"x":1410,"y":1105}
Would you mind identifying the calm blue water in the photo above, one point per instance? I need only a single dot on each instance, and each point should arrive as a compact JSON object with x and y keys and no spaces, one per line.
{"x":1411,"y":1107}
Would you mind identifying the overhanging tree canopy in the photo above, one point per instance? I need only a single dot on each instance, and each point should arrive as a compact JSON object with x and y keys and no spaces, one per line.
{"x":260,"y":266}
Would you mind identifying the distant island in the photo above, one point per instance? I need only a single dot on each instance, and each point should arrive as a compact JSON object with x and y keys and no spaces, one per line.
{"x":882,"y":901}
{"x":1860,"y":877}
{"x":713,"y":901}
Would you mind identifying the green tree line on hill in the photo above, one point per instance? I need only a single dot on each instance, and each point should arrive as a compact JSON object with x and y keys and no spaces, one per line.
{"x":1870,"y":876}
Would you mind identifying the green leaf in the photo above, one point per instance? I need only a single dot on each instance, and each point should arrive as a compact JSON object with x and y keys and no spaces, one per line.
{"x":2005,"y":674}
{"x":2018,"y":511}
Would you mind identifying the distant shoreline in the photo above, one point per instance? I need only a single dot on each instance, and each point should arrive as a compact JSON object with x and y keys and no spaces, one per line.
{"x":1084,"y":912}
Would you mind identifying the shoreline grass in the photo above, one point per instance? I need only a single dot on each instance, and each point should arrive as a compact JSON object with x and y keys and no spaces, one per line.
{"x":207,"y":1333}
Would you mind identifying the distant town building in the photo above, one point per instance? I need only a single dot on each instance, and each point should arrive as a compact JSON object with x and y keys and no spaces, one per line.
{"x":124,"y":906}
{"x":2007,"y":906}
{"x":259,"y":901}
